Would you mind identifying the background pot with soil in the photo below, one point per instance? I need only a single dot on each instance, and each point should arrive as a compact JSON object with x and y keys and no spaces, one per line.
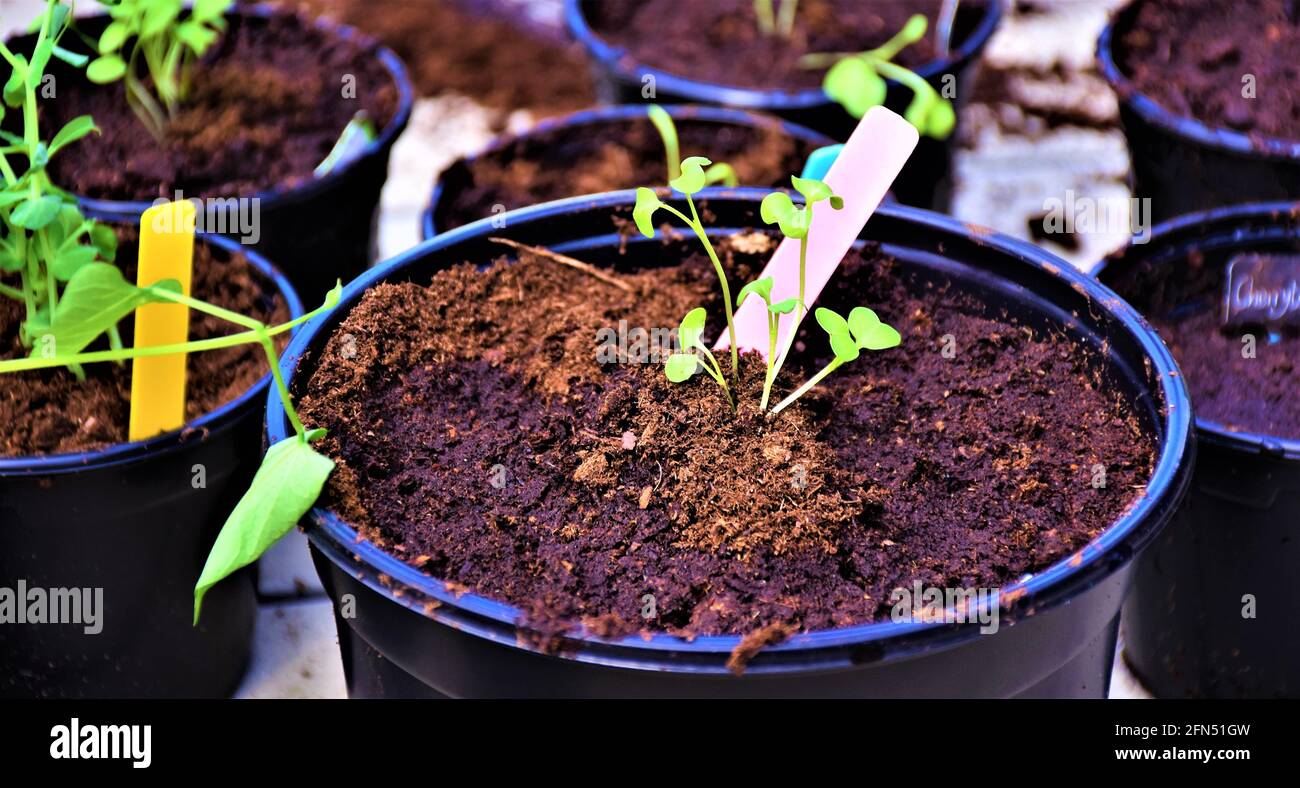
{"x":616,"y":485}
{"x":1207,"y":100}
{"x":609,"y":149}
{"x":266,"y":105}
{"x":1216,"y":599}
{"x":714,"y":53}
{"x":83,"y":508}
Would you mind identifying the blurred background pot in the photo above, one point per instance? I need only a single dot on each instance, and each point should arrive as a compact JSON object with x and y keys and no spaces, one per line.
{"x":1237,"y":537}
{"x":558,"y":142}
{"x":926,"y":181}
{"x":1183,"y":165}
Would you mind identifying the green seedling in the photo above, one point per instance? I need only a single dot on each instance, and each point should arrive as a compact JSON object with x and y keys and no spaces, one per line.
{"x":663,"y":123}
{"x":45,"y":240}
{"x":681,"y":366}
{"x":780,"y":22}
{"x":691,"y":180}
{"x":863,"y":330}
{"x":856,"y":80}
{"x":795,"y":221}
{"x":164,"y":42}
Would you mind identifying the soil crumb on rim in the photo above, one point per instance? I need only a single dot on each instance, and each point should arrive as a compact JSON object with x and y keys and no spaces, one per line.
{"x":479,"y":437}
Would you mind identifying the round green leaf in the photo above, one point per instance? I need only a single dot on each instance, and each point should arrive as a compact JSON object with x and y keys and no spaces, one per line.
{"x":812,"y":189}
{"x":942,"y":119}
{"x":844,"y":348}
{"x":833,"y":323}
{"x":869,"y":332}
{"x":113,"y":37}
{"x":855,"y":85}
{"x":647,"y":202}
{"x":681,"y":366}
{"x":775,"y":207}
{"x":692,"y":178}
{"x":105,"y":69}
{"x":784,"y":307}
{"x":761,"y":287}
{"x":722,"y":173}
{"x":688,"y":333}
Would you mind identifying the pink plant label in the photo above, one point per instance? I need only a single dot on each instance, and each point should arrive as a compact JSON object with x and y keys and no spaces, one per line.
{"x":862,"y":174}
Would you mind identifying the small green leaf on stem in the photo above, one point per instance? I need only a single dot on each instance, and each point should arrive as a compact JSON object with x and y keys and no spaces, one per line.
{"x":722,"y":173}
{"x":286,"y":485}
{"x":692,"y":178}
{"x":869,"y":332}
{"x":647,"y":202}
{"x":680,"y":366}
{"x":784,"y":307}
{"x":777,"y":208}
{"x":855,"y":85}
{"x":692,"y":328}
{"x":760,"y":287}
{"x":95,"y":300}
{"x":105,"y":69}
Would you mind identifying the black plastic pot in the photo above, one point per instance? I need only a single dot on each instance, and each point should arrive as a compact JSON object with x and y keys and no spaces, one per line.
{"x":129,"y":520}
{"x":926,"y":180}
{"x":459,"y":175}
{"x":318,"y":232}
{"x":1058,"y":627}
{"x":1183,"y":165}
{"x":1239,"y":531}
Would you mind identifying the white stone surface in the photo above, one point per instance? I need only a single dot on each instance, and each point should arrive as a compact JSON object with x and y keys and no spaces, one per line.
{"x":295,"y":653}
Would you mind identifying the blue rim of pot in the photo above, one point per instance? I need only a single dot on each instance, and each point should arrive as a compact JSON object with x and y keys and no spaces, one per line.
{"x":1216,"y":137}
{"x":621,"y":112}
{"x":823,"y":649}
{"x":1233,"y":226}
{"x":208,"y":424}
{"x":316,"y":186}
{"x":618,"y":61}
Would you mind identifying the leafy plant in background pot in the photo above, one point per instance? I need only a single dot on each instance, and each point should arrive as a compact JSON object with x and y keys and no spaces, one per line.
{"x":281,"y":124}
{"x":164,"y":41}
{"x":857,"y":82}
{"x":823,"y":76}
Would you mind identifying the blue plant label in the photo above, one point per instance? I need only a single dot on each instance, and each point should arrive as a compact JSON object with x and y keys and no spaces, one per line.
{"x":1262,"y":290}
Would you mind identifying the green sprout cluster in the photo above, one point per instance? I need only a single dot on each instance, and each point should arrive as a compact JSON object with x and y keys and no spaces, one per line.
{"x":164,"y":41}
{"x":776,"y":22}
{"x":45,"y":242}
{"x":856,"y":80}
{"x":862,"y":330}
